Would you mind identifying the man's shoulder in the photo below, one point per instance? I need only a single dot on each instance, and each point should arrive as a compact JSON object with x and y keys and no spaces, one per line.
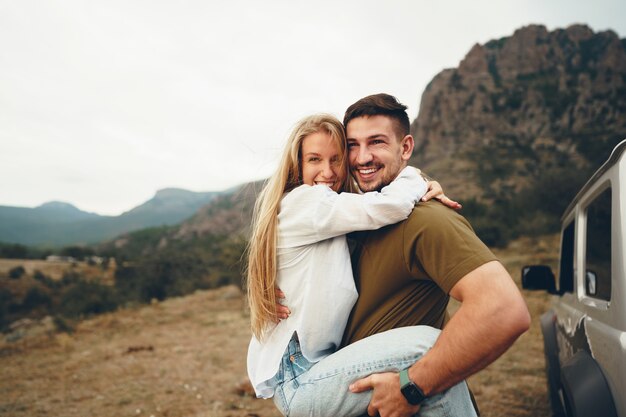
{"x":434,"y":214}
{"x":434,"y":224}
{"x":444,"y":243}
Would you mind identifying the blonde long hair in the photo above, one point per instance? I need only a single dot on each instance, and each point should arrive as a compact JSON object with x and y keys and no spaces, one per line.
{"x":262,"y":260}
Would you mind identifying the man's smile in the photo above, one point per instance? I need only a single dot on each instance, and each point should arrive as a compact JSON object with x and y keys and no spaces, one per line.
{"x":368,"y":172}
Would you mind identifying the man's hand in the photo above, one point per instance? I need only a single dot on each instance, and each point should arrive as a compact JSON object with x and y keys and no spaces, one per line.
{"x":436,"y":191}
{"x":387,"y":400}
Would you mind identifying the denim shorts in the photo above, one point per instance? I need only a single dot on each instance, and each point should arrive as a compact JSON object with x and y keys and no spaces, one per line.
{"x":320,"y":389}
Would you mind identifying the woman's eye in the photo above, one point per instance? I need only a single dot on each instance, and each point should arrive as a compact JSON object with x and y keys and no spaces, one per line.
{"x":313,"y":159}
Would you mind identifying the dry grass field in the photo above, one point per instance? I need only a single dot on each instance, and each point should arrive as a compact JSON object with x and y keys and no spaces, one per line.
{"x":56,"y":269}
{"x":185,"y":357}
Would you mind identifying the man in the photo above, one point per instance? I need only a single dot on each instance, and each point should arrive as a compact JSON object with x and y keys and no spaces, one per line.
{"x":406,"y":272}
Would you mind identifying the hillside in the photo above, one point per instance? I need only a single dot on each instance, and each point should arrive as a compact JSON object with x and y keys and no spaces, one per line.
{"x":523,"y":121}
{"x":226,"y":218}
{"x":537,"y":98}
{"x":33,"y":225}
{"x":58,"y":224}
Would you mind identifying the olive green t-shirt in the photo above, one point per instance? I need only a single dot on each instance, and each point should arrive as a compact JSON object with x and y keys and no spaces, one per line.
{"x":404,"y":271}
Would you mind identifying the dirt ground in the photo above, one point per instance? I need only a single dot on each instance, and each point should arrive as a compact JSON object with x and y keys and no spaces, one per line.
{"x":186,"y":356}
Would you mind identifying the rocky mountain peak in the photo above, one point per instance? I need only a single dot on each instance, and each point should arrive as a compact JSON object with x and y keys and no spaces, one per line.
{"x":536,"y":98}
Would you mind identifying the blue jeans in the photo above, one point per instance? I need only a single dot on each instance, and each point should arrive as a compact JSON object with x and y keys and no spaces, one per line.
{"x":321,"y":389}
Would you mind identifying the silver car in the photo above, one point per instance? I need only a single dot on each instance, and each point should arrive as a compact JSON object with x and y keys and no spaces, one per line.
{"x":585,"y":331}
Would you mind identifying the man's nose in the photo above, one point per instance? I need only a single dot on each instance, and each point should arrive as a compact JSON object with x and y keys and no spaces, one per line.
{"x":364,"y":156}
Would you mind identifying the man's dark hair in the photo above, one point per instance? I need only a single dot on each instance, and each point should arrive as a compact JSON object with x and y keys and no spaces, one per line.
{"x":380,"y":105}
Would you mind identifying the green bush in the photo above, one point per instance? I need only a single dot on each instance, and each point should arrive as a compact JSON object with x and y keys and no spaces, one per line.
{"x":77,"y":252}
{"x":7,"y":303}
{"x":46,"y":280}
{"x":168,"y":275}
{"x":70,"y":278}
{"x":199,"y":263}
{"x":13,"y":251}
{"x":17,"y":251}
{"x":35,"y":298}
{"x":87,"y":298}
{"x":17,"y":272}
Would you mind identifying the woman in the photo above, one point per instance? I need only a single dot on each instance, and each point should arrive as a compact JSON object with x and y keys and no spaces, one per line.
{"x":298,"y":244}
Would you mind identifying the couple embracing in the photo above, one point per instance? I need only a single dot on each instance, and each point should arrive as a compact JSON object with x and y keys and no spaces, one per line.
{"x":364,"y":327}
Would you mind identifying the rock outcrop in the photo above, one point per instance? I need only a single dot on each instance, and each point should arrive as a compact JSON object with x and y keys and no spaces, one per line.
{"x":519,"y":106}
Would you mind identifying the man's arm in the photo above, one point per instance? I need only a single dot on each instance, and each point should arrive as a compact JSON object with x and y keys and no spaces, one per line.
{"x":492,"y":316}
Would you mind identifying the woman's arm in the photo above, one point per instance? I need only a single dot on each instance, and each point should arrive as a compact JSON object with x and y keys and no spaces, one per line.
{"x":310,"y":214}
{"x":436,"y":191}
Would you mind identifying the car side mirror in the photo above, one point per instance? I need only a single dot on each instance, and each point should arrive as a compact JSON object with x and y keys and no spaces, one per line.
{"x":538,"y":277}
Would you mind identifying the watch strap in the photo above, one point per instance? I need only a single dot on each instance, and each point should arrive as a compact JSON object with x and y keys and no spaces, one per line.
{"x":404,"y":377}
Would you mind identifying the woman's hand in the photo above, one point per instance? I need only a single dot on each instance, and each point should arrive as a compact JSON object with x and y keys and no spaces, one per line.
{"x":436,"y":191}
{"x":282,"y":312}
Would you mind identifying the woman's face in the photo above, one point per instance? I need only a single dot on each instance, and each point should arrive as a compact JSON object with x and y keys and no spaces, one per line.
{"x":321,"y":161}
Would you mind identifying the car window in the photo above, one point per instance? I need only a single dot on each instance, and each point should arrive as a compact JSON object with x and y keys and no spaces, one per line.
{"x":598,"y":247}
{"x":566,"y":268}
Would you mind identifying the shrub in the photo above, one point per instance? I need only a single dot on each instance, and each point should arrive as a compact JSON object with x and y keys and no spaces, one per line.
{"x":46,"y":280}
{"x":86,"y":298}
{"x":70,"y":278}
{"x":77,"y":252}
{"x":35,"y":298}
{"x":168,"y":275}
{"x":13,"y":251}
{"x":17,"y":272}
{"x":6,"y":305}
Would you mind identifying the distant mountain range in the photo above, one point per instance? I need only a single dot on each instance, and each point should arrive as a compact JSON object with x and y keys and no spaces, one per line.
{"x":58,"y":223}
{"x":226,"y":218}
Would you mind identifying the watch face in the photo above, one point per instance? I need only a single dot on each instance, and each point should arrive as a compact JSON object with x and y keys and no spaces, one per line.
{"x":413,"y":394}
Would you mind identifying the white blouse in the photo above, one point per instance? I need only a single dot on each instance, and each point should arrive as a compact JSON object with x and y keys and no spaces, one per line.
{"x":314,"y":269}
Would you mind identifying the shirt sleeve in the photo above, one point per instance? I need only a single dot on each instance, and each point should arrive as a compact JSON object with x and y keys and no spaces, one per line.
{"x":440,"y":244}
{"x":310,"y":214}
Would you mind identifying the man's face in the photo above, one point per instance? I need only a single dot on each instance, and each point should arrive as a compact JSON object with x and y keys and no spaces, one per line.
{"x":376,"y":153}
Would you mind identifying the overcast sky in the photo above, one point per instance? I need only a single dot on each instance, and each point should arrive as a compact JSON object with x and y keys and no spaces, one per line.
{"x":102,"y":103}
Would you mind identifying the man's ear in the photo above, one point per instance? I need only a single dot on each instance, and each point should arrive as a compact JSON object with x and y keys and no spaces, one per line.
{"x":407,"y":144}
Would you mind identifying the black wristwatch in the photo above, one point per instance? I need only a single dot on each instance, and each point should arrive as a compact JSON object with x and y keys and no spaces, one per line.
{"x":413,"y":394}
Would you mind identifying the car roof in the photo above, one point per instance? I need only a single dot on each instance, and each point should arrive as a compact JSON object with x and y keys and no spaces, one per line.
{"x":613,"y":159}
